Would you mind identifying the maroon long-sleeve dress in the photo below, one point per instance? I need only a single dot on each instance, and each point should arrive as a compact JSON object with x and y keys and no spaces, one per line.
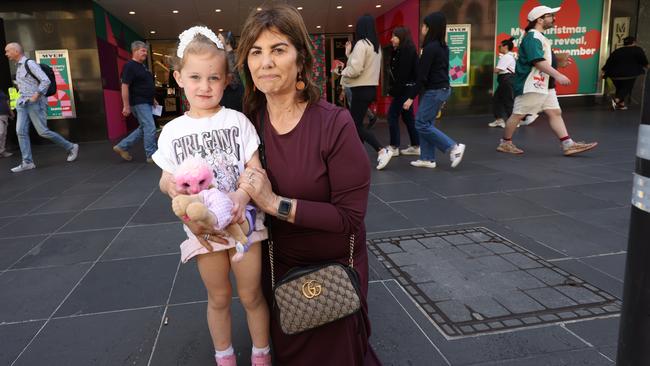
{"x":323,"y":165}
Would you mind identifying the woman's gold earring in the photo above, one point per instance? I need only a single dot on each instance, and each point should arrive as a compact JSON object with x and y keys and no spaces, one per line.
{"x":300,"y":85}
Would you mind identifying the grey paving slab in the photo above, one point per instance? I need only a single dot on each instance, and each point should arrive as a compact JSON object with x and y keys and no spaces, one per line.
{"x":19,"y":208}
{"x":35,"y":224}
{"x":569,"y":236}
{"x":458,"y":186}
{"x":381,"y":217}
{"x":185,"y":340}
{"x":563,"y":199}
{"x":67,"y":203}
{"x":36,"y":293}
{"x":11,"y":250}
{"x":614,"y":219}
{"x":550,"y":298}
{"x":594,"y":276}
{"x":401,"y":191}
{"x":501,"y":206}
{"x":122,"y":198}
{"x":435,"y":212}
{"x":617,"y":192}
{"x":518,"y":302}
{"x":587,"y":357}
{"x":100,"y":219}
{"x":613,"y":265}
{"x":62,"y":249}
{"x":391,"y":325}
{"x":140,"y":241}
{"x":14,"y":338}
{"x":50,"y":188}
{"x":157,"y":209}
{"x":188,"y":286}
{"x":599,"y":332}
{"x":89,"y":188}
{"x":609,"y":351}
{"x":122,"y":284}
{"x":119,"y":338}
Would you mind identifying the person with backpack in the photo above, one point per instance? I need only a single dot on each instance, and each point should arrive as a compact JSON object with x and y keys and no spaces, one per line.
{"x":33,"y":84}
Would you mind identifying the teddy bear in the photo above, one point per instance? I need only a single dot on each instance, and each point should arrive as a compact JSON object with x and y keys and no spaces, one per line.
{"x":206,"y":204}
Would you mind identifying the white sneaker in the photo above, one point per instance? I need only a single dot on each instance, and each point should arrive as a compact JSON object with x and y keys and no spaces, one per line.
{"x":23,"y":166}
{"x":456,"y":154}
{"x":423,"y":164}
{"x":383,"y":158}
{"x":529,"y":119}
{"x":5,"y":154}
{"x":73,"y":153}
{"x":411,"y":150}
{"x":394,"y":150}
{"x":498,"y":123}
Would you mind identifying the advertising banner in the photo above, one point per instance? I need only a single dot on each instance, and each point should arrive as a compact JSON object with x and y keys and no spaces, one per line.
{"x":621,"y":31}
{"x":580,"y":31}
{"x":458,"y":41}
{"x":61,"y":104}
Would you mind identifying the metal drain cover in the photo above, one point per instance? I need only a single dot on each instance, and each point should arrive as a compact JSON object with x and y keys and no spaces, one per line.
{"x":473,"y":281}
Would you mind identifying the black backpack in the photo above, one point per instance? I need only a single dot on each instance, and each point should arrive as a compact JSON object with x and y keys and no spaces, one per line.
{"x":51,"y":90}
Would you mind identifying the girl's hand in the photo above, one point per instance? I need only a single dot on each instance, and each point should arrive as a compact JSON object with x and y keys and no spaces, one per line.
{"x":239,"y":199}
{"x":256,"y":183}
{"x":167,"y":185}
{"x":348,"y":48}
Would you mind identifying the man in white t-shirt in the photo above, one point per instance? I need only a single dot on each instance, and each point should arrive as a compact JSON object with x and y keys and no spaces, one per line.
{"x":531,"y":85}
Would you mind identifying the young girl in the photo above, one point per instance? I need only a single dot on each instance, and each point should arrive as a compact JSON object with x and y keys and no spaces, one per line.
{"x":228,"y":141}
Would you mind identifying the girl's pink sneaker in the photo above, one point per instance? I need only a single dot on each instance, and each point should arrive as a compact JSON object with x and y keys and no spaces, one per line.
{"x":261,"y":360}
{"x":227,"y":361}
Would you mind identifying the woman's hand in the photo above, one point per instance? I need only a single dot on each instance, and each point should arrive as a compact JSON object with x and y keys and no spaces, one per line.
{"x":348,"y":48}
{"x":256,"y":183}
{"x":407,"y":104}
{"x":204,"y":233}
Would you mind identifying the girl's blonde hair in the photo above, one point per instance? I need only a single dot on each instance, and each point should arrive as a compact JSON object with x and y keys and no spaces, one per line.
{"x":199,"y":45}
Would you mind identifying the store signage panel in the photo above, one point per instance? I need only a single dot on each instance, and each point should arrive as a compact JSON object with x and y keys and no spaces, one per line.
{"x":61,"y":104}
{"x":458,"y":41}
{"x":578,"y":32}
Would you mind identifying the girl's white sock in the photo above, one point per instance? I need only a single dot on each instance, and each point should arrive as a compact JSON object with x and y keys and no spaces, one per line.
{"x":227,"y":352}
{"x":261,"y":351}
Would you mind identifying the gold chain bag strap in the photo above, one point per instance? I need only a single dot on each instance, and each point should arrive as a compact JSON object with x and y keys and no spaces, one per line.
{"x":311,"y":296}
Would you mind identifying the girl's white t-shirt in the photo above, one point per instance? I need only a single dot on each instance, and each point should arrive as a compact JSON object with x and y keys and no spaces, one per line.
{"x":227,"y":140}
{"x":507,"y":63}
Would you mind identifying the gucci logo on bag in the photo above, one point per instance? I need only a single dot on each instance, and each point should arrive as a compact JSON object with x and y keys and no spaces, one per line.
{"x":311,"y":289}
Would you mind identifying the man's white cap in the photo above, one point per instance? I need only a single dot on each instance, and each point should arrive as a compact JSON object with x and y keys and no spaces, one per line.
{"x":539,"y":11}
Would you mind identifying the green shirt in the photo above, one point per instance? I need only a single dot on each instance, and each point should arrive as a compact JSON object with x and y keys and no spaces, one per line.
{"x":534,"y":47}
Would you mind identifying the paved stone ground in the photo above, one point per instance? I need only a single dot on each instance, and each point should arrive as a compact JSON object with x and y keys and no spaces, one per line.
{"x":89,"y":251}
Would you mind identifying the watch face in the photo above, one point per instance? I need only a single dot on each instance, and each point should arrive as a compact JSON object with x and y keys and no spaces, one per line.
{"x":285,"y":207}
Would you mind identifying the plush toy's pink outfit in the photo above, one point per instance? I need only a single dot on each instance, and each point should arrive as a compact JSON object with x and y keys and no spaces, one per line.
{"x":221,"y":206}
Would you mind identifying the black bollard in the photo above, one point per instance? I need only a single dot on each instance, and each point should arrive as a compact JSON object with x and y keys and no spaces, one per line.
{"x":634,"y":334}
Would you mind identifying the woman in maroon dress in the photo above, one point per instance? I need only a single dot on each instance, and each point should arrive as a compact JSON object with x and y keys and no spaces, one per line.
{"x":315,"y":187}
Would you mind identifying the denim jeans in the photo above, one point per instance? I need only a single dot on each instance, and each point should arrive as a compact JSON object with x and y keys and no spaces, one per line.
{"x":431,"y":137}
{"x":146,"y":130}
{"x":37,"y":113}
{"x":394,"y":111}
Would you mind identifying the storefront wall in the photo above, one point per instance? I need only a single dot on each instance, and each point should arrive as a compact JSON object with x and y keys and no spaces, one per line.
{"x":481,"y":14}
{"x":44,"y":25}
